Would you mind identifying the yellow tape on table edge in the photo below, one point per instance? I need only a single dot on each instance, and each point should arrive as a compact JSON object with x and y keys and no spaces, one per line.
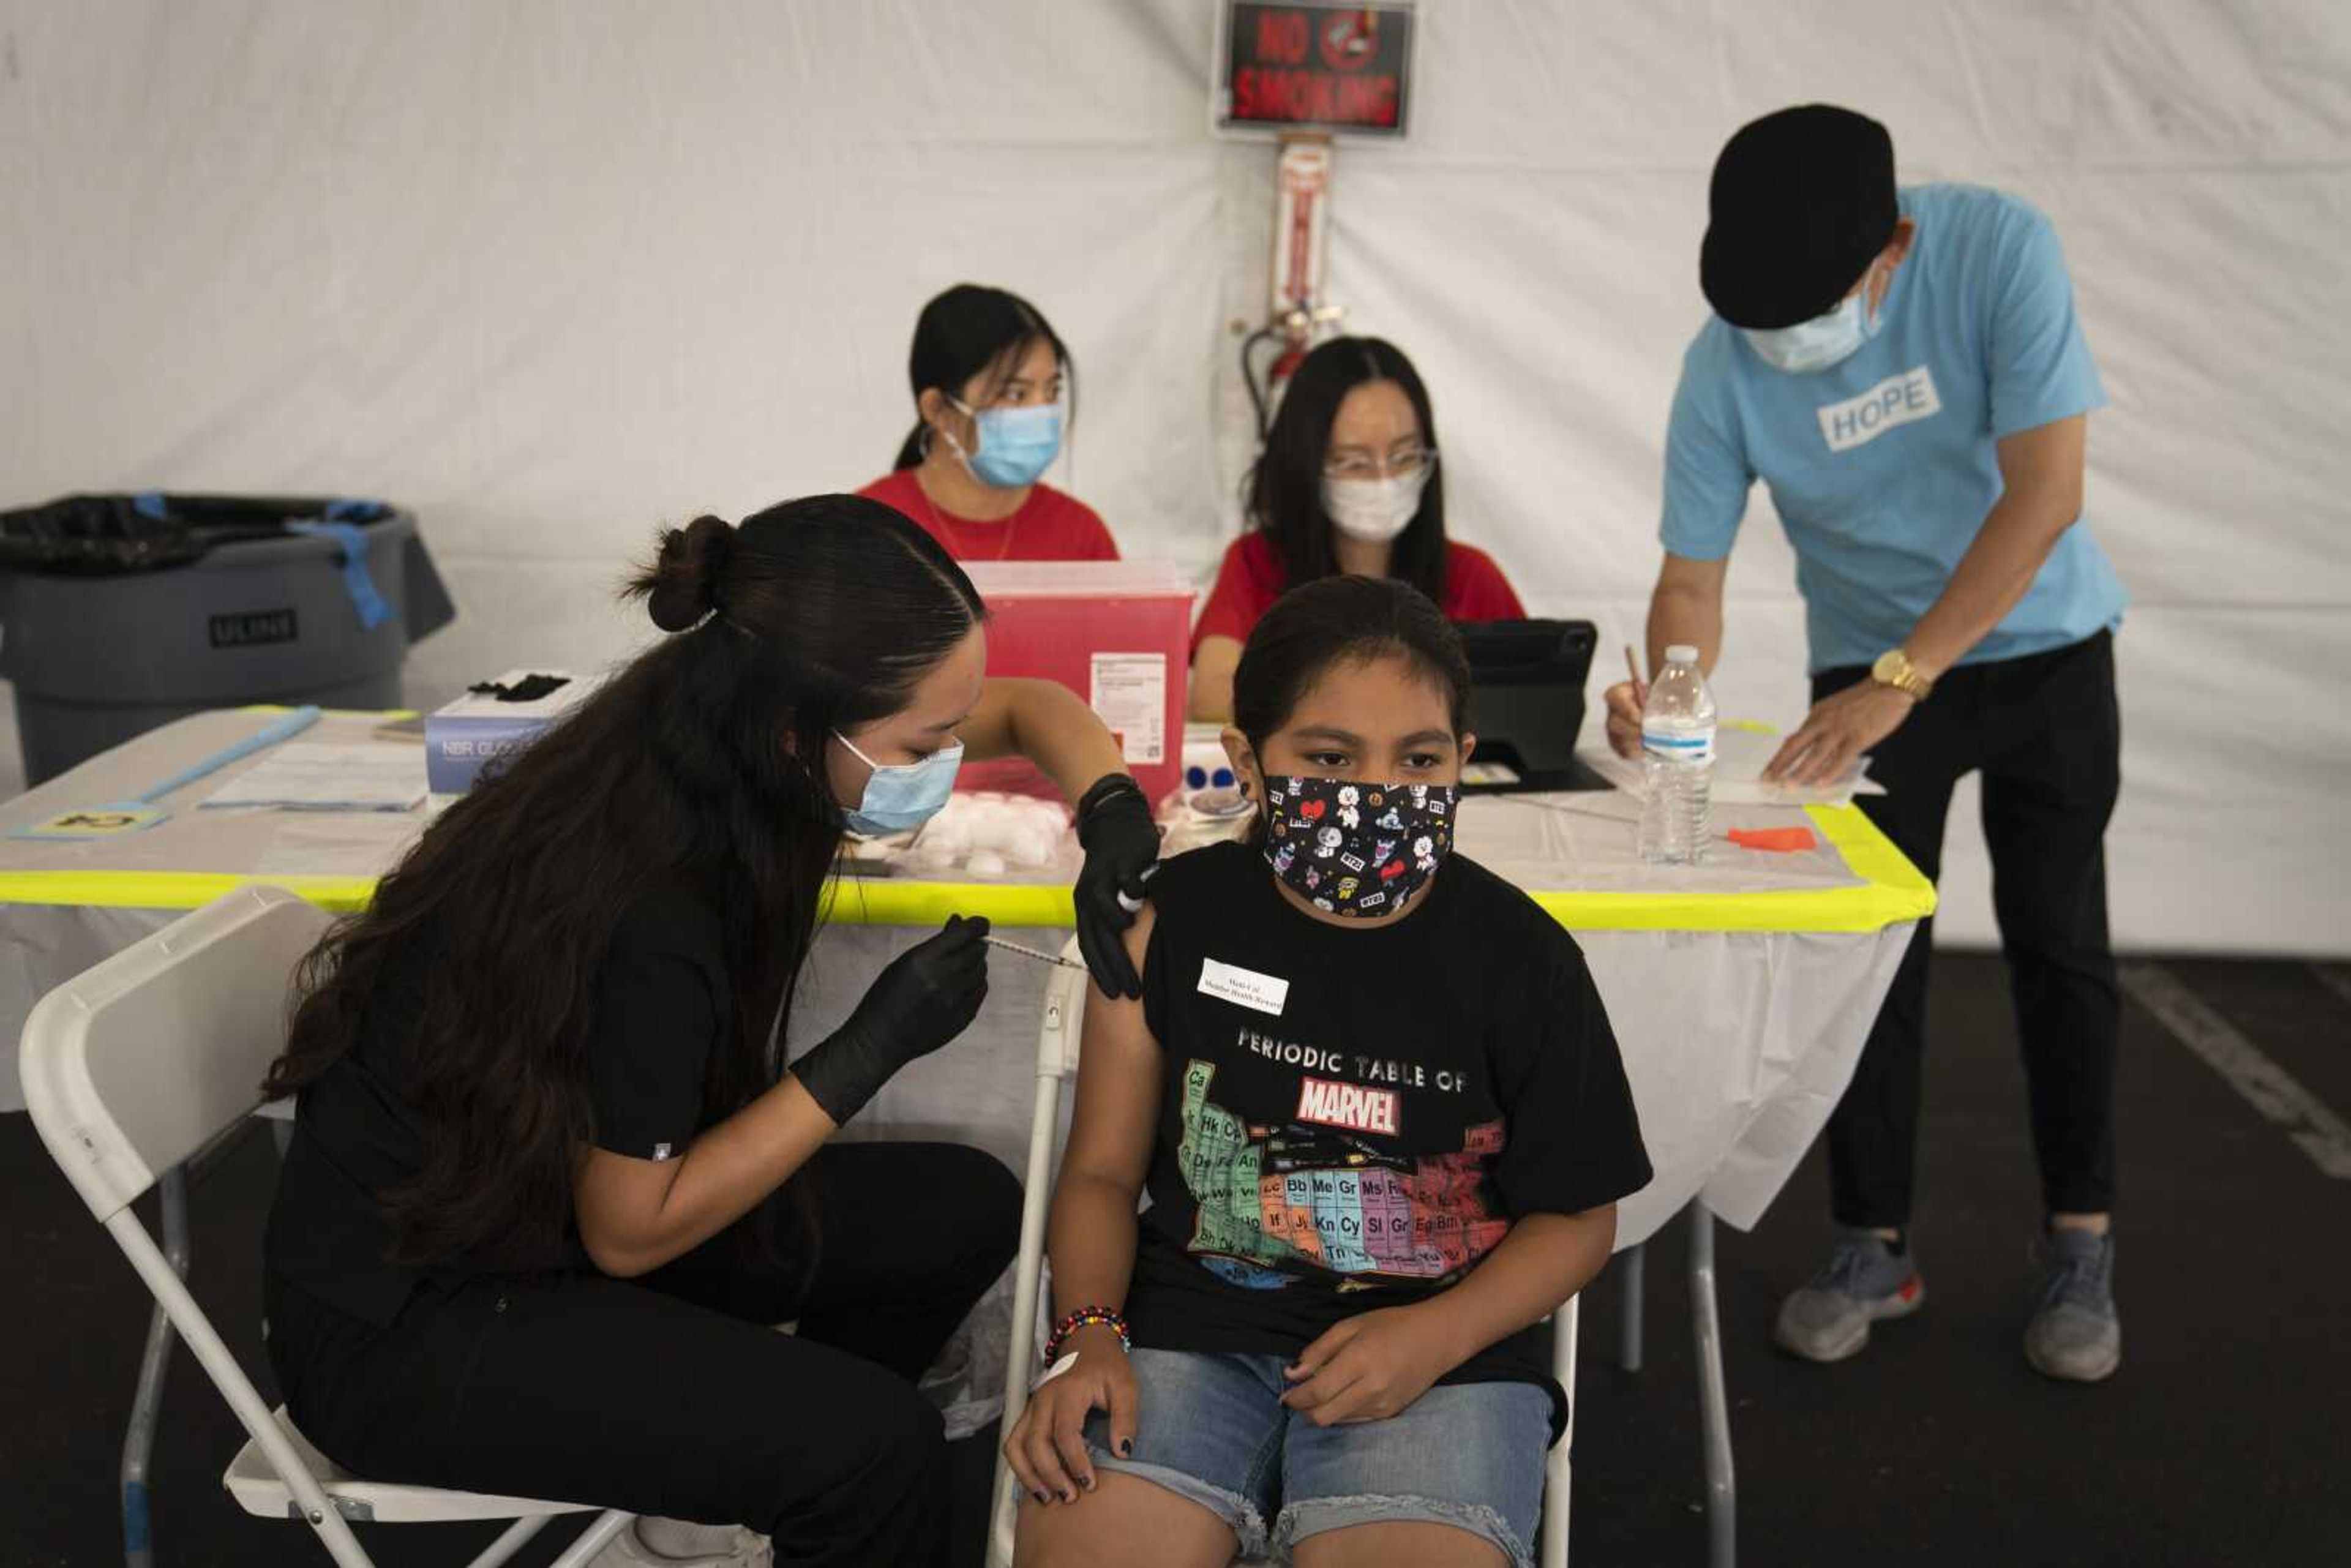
{"x":1892,"y":891}
{"x":174,"y":889}
{"x":384,"y":714}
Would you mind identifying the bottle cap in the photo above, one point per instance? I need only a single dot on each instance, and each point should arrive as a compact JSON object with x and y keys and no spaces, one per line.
{"x":1681,"y":653}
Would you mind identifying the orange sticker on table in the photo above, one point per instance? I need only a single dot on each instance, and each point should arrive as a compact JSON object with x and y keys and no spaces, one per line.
{"x":1778,"y":841}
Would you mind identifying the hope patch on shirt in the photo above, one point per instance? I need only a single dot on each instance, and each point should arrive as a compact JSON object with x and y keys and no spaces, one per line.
{"x":1896,"y":401}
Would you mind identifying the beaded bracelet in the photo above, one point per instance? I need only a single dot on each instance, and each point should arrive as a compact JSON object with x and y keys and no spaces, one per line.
{"x":1086,"y":1317}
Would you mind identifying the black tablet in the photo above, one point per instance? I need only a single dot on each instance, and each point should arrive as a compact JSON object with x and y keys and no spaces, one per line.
{"x":1526,"y":705}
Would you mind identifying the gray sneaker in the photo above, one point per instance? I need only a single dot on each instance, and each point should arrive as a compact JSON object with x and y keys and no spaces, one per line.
{"x":1829,"y":1318}
{"x":2075,"y":1333}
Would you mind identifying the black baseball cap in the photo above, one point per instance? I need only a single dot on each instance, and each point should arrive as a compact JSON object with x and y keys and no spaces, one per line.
{"x":1800,"y":200}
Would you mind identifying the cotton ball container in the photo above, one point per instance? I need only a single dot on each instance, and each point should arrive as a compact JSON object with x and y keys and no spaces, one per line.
{"x":1047,"y":815}
{"x":996,"y":825}
{"x":1031,"y":845}
{"x":951,"y":830}
{"x":941,"y":845}
{"x":1047,"y":824}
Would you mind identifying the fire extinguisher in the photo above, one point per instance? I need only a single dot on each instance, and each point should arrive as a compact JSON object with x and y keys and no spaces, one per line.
{"x":1302,"y":207}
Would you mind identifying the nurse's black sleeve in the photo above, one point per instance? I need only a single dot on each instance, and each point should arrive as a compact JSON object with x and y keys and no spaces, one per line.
{"x":661,"y":1008}
{"x":1574,"y":1138}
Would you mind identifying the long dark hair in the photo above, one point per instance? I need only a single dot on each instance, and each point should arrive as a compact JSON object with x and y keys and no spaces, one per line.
{"x":701,"y":761}
{"x":1285,"y":487}
{"x":1338,"y":620}
{"x":969,"y":328}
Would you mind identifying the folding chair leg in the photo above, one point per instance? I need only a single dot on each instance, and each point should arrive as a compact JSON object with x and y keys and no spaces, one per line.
{"x":205,"y":1344}
{"x":1634,"y":1262}
{"x":146,"y":1405}
{"x":1027,"y":1281}
{"x":591,"y":1540}
{"x":1714,"y":1401}
{"x":1558,"y":1465}
{"x":511,"y":1540}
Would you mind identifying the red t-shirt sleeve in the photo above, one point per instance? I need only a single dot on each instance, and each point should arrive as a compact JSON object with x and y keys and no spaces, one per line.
{"x":1067,"y":529}
{"x":1476,"y":590}
{"x":1242,"y":592}
{"x":902,"y":493}
{"x":1049,"y":526}
{"x":890,"y":489}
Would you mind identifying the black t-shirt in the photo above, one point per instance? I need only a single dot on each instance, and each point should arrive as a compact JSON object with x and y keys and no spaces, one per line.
{"x":1351,"y":1117}
{"x":661,"y":1010}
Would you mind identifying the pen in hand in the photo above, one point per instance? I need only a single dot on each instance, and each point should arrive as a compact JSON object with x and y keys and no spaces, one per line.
{"x":1640,"y":686}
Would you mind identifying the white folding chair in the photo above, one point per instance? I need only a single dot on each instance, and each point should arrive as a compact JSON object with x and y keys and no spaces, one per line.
{"x":134,"y":1066}
{"x":1058,"y":1039}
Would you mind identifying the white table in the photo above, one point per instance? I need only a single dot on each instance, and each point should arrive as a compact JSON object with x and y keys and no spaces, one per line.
{"x":1741,"y":991}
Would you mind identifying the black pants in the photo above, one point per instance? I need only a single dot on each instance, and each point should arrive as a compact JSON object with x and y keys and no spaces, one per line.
{"x":2046,"y":732}
{"x":674,"y":1396}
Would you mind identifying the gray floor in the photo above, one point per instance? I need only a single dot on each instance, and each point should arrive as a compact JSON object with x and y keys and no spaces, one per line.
{"x":2220,"y":1442}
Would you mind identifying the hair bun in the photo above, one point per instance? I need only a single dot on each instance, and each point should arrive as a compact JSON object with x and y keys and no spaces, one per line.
{"x":688,"y":580}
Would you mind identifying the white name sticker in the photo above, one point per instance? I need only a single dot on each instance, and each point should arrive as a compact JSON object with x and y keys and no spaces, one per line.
{"x":1896,"y":401}
{"x":1245,"y":987}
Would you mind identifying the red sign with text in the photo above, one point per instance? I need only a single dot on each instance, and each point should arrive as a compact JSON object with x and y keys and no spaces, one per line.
{"x":1317,"y":67}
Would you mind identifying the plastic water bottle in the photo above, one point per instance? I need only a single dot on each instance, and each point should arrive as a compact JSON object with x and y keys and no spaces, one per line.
{"x":1678,"y":760}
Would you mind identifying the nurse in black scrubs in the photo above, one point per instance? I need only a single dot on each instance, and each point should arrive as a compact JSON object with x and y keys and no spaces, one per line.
{"x":551,"y":1182}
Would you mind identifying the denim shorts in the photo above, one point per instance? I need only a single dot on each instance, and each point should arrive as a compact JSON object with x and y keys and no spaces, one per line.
{"x":1212,"y":1429}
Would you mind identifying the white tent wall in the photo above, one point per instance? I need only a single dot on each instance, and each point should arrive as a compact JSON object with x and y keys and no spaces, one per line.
{"x":554,"y":273}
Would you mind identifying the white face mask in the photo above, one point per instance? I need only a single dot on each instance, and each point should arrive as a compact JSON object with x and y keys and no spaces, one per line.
{"x":1824,"y":340}
{"x":1375,"y":510}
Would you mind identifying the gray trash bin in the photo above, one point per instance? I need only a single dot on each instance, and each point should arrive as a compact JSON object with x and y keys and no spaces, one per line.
{"x":119,"y":613}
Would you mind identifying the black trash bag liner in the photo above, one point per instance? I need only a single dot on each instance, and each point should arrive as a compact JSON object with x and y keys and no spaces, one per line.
{"x":98,"y":535}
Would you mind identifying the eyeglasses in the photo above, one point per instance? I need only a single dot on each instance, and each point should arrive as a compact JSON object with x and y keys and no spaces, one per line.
{"x":1401,"y":463}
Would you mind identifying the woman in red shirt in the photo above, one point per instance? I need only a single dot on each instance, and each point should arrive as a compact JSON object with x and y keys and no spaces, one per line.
{"x":1348,"y":482}
{"x":989,"y":378}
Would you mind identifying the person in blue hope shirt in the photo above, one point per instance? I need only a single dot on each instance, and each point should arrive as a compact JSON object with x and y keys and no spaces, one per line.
{"x":1903,"y":368}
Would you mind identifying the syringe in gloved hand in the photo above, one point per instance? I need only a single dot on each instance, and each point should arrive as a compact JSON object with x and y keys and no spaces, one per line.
{"x":1036,"y":953}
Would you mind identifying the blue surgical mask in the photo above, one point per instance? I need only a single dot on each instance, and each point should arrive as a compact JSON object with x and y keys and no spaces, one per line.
{"x":902,"y":796}
{"x":1016,"y":445}
{"x":1824,"y":340}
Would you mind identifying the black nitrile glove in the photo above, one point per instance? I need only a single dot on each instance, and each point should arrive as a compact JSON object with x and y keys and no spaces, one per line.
{"x":926,"y":996}
{"x":1122,"y":845}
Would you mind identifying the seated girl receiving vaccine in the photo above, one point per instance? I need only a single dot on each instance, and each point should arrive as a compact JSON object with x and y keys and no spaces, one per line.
{"x":1384,"y":1124}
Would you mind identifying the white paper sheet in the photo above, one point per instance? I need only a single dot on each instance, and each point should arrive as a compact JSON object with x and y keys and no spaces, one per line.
{"x":319,"y":776}
{"x":1740,"y":753}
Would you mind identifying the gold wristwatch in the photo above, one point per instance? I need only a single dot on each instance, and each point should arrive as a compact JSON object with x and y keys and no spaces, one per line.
{"x":1893,"y":669}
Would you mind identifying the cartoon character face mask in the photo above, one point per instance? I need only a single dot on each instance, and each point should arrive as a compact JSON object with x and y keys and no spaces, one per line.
{"x":1355,"y":848}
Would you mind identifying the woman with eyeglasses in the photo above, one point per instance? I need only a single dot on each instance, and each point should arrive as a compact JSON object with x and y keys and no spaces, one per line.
{"x":1348,"y":482}
{"x":992,"y":384}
